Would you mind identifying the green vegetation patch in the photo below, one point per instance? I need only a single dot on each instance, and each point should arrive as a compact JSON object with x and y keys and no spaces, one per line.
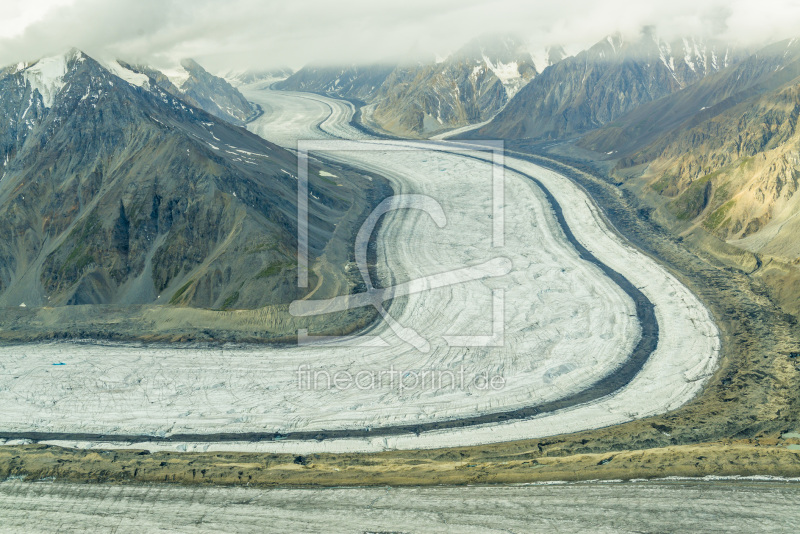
{"x":714,"y":220}
{"x":660,"y":185}
{"x":746,"y":163}
{"x":77,"y":260}
{"x":692,"y":202}
{"x":261,"y":247}
{"x":230,"y":301}
{"x":181,"y":291}
{"x":272,"y":269}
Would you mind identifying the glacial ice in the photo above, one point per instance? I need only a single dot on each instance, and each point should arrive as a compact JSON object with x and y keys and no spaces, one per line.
{"x":566,"y":325}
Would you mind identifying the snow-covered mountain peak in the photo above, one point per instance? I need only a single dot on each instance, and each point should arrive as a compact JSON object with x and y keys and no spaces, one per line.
{"x":506,"y":56}
{"x":616,"y":41}
{"x":47,"y":74}
{"x":694,"y":56}
{"x":508,"y":73}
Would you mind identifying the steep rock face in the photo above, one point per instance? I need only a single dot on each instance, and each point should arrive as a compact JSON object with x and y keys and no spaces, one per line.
{"x":598,"y":85}
{"x":192,"y":84}
{"x":112,"y":193}
{"x":215,"y":95}
{"x":470,"y":86}
{"x":20,"y":112}
{"x":359,"y":82}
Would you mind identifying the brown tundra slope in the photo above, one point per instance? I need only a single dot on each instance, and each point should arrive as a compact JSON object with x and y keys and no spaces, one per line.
{"x":721,"y":161}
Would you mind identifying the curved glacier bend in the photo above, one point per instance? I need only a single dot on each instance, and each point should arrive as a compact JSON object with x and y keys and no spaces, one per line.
{"x":671,"y":376}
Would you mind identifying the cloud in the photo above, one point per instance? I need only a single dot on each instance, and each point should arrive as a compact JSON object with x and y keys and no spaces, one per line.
{"x":257,"y":33}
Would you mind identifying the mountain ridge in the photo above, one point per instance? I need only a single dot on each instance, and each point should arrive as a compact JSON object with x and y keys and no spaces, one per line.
{"x":583,"y":92}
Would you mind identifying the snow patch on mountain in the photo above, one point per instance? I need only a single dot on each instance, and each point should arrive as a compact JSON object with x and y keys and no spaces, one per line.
{"x":692,"y":57}
{"x":507,"y":73}
{"x":547,"y":56}
{"x":177,"y":75}
{"x":133,"y":78}
{"x":540,"y":59}
{"x":265,"y":77}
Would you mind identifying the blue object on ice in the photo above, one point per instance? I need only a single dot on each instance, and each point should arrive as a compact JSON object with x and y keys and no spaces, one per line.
{"x":60,"y":363}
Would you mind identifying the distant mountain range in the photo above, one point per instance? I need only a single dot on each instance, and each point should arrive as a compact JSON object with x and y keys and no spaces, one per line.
{"x":546,"y":95}
{"x":250,"y":76}
{"x":350,"y":81}
{"x":469,"y":86}
{"x":598,"y":85}
{"x":422,"y":98}
{"x":116,"y":187}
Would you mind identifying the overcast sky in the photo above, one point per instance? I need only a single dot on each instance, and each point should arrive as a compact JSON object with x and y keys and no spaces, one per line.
{"x":264,"y":33}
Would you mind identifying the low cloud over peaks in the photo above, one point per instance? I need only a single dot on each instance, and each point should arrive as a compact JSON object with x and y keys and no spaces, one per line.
{"x":253,"y":33}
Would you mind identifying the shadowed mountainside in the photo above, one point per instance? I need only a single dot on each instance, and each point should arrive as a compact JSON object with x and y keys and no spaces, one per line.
{"x":112,"y":193}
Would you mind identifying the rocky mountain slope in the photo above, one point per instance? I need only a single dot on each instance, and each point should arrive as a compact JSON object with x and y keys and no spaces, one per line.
{"x":735,"y":163}
{"x":469,"y":86}
{"x":603,"y":83}
{"x":215,"y":95}
{"x":763,"y":71}
{"x":722,"y":157}
{"x":120,"y":194}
